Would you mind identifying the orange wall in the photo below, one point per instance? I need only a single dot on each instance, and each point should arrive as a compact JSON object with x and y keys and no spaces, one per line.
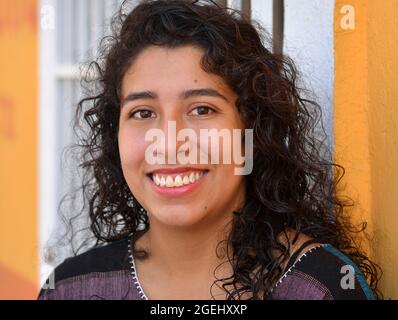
{"x":366,"y":124}
{"x":351,"y":109}
{"x":383,"y":139}
{"x":18,"y":145}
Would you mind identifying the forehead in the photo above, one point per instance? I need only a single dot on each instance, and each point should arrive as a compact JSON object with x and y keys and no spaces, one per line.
{"x":170,"y":68}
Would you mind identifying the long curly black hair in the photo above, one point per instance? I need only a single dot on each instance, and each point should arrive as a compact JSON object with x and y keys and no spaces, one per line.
{"x":294,"y":182}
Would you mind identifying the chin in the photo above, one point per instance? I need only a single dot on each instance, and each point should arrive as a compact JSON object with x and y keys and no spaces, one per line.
{"x":183,"y":218}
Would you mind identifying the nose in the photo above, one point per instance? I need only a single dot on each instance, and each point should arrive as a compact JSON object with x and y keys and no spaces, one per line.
{"x":171,"y":126}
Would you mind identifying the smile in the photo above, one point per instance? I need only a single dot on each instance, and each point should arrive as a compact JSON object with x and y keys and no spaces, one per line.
{"x":168,"y":181}
{"x":176,"y":183}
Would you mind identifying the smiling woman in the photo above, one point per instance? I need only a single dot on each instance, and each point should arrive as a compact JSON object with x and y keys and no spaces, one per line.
{"x":195,"y":212}
{"x":200,"y":231}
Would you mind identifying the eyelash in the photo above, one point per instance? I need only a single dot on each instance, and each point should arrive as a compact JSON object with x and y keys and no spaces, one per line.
{"x":131,"y":115}
{"x":212,"y":110}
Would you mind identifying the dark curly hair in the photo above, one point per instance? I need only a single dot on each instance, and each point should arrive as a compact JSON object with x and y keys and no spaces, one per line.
{"x":294,"y":180}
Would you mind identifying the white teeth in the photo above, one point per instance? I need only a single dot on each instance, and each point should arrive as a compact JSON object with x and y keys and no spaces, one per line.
{"x":169,"y":182}
{"x":185,"y":180}
{"x":177,"y":181}
{"x":162,"y":182}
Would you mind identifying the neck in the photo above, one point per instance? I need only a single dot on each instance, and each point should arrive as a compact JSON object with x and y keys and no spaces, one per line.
{"x":179,"y":250}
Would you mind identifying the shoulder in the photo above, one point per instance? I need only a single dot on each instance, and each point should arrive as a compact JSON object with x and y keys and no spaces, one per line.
{"x":323,"y":273}
{"x":109,"y":259}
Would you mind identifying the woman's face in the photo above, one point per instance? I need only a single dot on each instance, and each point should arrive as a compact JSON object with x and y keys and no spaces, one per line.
{"x":152,"y":97}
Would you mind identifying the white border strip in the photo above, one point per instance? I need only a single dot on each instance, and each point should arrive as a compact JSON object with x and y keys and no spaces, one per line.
{"x":47,"y":204}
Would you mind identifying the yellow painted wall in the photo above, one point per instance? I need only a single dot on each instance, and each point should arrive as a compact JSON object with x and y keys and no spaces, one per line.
{"x":18,"y":149}
{"x":366,"y":123}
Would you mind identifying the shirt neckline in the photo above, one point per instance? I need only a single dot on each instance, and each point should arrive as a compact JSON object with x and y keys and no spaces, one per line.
{"x":143,"y":295}
{"x":294,"y":265}
{"x":134,"y":273}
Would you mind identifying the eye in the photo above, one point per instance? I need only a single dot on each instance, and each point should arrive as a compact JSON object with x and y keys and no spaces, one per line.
{"x":142,"y":114}
{"x":202,"y":111}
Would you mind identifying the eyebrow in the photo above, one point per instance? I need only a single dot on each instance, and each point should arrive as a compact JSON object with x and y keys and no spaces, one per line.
{"x":184,"y":95}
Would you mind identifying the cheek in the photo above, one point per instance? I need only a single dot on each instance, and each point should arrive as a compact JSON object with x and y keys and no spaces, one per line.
{"x":227,"y":187}
{"x":227,"y":150}
{"x":226,"y":172}
{"x":132,"y":147}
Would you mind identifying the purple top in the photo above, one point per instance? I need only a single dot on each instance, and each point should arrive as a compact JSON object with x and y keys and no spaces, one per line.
{"x":108,"y":272}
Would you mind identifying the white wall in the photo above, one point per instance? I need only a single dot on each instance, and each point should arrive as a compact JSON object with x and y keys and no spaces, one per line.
{"x":308,"y":40}
{"x":262,"y":12}
{"x":65,"y":44}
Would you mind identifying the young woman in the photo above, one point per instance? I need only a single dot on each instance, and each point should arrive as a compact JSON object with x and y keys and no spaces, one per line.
{"x":201,"y":231}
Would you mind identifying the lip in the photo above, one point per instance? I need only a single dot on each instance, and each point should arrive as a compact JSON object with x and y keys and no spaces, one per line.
{"x":177,"y":191}
{"x":175,"y":170}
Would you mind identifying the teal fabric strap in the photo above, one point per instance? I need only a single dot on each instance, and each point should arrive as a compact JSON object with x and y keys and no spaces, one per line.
{"x":358,"y":274}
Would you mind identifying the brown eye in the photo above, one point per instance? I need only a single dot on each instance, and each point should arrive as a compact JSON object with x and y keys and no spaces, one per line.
{"x":143,"y":114}
{"x":202,"y":111}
